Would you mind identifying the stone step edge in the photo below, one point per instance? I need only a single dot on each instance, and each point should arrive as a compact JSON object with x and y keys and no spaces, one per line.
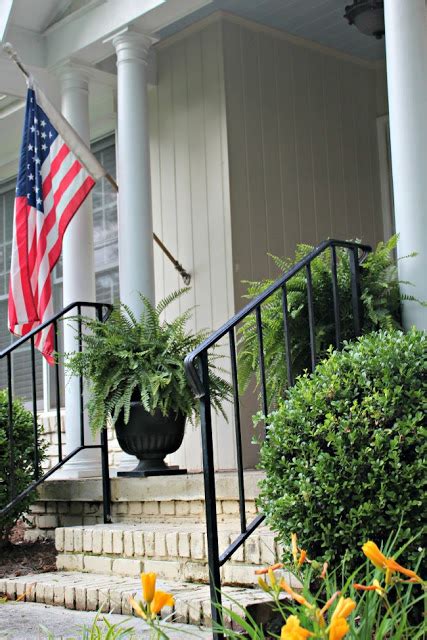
{"x":87,"y":592}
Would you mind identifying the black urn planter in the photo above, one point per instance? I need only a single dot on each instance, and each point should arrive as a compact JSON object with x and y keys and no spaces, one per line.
{"x":150,"y":438}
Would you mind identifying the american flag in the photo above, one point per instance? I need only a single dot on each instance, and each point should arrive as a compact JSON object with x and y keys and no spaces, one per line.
{"x":56,"y":173}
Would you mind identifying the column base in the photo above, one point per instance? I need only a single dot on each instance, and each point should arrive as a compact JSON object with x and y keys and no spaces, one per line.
{"x":80,"y":467}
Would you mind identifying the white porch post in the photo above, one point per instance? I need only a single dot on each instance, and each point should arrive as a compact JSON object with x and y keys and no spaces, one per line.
{"x":406,"y":49}
{"x":136,"y":265}
{"x":135,"y":228}
{"x":78,"y":275}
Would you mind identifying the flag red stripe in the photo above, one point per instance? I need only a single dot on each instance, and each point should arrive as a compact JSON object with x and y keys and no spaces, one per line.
{"x":21,"y":214}
{"x":67,"y":215}
{"x":41,"y":219}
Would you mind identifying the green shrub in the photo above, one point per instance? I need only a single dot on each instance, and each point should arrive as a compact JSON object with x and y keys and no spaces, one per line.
{"x":380,"y":302}
{"x":345,"y":451}
{"x":23,"y":458}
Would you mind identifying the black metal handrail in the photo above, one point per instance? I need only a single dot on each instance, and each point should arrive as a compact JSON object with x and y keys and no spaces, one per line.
{"x":196,"y":365}
{"x":102,"y":311}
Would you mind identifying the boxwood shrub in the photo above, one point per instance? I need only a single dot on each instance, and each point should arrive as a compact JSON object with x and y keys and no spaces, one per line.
{"x":23,"y":458}
{"x":345,"y":451}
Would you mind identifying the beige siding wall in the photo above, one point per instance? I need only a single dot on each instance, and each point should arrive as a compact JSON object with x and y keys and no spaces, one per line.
{"x":302,"y":147}
{"x":191,"y":195}
{"x":257,"y":143}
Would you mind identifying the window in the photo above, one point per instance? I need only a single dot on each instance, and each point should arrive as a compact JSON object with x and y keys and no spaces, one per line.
{"x":106,"y":267}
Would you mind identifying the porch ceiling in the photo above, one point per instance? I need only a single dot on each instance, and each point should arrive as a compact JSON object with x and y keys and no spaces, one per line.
{"x":320,"y":21}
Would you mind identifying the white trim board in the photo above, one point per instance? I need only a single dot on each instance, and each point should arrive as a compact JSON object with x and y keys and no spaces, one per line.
{"x":227,"y":16}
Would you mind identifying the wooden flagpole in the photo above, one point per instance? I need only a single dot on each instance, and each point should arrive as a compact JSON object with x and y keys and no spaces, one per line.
{"x":178,"y":266}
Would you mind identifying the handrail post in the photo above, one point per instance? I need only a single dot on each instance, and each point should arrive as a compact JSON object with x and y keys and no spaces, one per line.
{"x":210,"y":497}
{"x":238,"y":431}
{"x":106,"y":484}
{"x":10,"y":428}
{"x":356,"y":291}
{"x":35,"y":422}
{"x":335,"y":297}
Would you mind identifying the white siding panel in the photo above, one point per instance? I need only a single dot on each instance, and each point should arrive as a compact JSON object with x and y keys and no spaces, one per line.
{"x":191,"y":211}
{"x":302,"y":145}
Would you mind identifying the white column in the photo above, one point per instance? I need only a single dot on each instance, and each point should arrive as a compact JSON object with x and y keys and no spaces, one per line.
{"x":135,"y":225}
{"x":136,"y":265}
{"x":78,"y":277}
{"x":406,"y":49}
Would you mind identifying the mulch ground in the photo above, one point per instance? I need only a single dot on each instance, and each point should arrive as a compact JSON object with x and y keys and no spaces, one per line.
{"x":20,"y":558}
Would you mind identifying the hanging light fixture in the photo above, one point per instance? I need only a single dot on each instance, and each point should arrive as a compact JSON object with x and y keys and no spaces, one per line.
{"x":367,"y":16}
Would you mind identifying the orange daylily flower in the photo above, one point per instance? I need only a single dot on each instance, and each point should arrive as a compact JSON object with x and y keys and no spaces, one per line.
{"x":293,"y":630}
{"x":329,"y":603}
{"x":274,"y":567}
{"x":148,"y":581}
{"x":338,"y":629}
{"x":137,"y":608}
{"x":395,"y":566}
{"x":264,"y":586}
{"x":372,"y":552}
{"x":343,"y":609}
{"x":270,"y":571}
{"x":375,"y":586}
{"x":154,"y":601}
{"x":294,"y":546}
{"x":299,"y":555}
{"x":272,"y":577}
{"x":161,"y":599}
{"x":380,"y":561}
{"x":294,"y":595}
{"x":339,"y":626}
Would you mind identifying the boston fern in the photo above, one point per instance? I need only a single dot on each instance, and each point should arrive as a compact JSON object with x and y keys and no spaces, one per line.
{"x":141,"y":359}
{"x":380,"y":302}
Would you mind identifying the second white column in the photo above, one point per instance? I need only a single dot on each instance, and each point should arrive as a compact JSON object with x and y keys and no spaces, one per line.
{"x":78,"y":276}
{"x":136,"y":266}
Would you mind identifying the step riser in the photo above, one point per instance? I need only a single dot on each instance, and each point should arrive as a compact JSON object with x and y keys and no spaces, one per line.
{"x":94,"y":593}
{"x":46,"y":516}
{"x":172,"y":555}
{"x":232,"y":574}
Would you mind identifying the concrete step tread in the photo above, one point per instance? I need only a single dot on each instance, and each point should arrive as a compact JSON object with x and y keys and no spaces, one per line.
{"x":183,"y":487}
{"x":89,"y":592}
{"x":164,"y":525}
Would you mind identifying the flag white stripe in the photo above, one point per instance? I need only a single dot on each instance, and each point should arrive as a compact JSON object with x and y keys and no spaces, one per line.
{"x":69,"y":135}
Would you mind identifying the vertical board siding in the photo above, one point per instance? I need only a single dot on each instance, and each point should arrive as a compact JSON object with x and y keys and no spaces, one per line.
{"x":191,"y":211}
{"x":302,"y":148}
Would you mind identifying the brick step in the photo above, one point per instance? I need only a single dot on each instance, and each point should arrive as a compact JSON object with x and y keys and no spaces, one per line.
{"x":175,"y":551}
{"x":86,"y":592}
{"x":70,"y":503}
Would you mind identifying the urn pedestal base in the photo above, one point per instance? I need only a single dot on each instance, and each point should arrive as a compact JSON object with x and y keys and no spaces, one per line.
{"x":150,"y":438}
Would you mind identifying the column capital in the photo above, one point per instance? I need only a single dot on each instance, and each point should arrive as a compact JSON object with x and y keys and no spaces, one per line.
{"x":133,"y":46}
{"x":73,"y":75}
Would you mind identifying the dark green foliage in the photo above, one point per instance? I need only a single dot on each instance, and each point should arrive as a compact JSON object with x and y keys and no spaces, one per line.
{"x":381,"y":310}
{"x":345,"y":451}
{"x":141,"y":359}
{"x":23,"y":459}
